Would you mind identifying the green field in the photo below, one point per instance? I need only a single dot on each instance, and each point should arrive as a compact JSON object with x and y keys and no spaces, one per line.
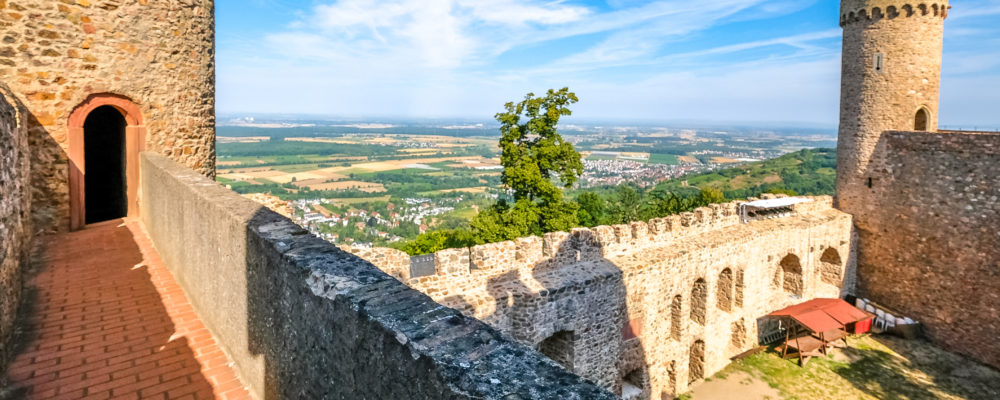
{"x":668,"y":159}
{"x":297,"y":167}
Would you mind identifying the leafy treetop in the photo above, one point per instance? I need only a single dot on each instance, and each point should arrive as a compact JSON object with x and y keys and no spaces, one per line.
{"x":533,"y":153}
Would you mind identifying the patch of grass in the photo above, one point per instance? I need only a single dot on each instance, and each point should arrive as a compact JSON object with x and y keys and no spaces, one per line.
{"x":872,"y":368}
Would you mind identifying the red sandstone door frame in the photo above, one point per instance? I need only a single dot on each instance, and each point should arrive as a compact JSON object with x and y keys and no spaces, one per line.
{"x":135,"y":142}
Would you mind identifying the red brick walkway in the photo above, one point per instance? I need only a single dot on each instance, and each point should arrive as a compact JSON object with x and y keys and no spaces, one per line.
{"x":109,"y":321}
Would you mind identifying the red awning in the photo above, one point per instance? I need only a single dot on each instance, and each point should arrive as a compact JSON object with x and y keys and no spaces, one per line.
{"x":821,"y":315}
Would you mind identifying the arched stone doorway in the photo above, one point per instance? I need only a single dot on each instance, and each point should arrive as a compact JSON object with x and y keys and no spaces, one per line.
{"x":104,"y":161}
{"x":105,"y":137}
{"x":921,"y":120}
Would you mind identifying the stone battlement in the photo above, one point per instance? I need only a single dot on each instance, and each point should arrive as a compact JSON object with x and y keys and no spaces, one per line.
{"x":858,"y":10}
{"x":566,"y":248}
{"x":603,"y":300}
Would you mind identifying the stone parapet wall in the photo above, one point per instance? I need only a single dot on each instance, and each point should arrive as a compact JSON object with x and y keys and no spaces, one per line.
{"x":929,"y":239}
{"x":157,"y":53}
{"x":15,"y":219}
{"x":602,"y":282}
{"x":565,"y":248}
{"x":301,"y":318}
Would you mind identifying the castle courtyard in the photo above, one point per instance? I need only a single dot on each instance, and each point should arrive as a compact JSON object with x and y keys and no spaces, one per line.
{"x":870,"y":367}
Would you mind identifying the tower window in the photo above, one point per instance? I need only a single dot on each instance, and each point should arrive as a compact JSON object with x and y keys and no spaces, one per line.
{"x":869,"y":183}
{"x":879,"y":63}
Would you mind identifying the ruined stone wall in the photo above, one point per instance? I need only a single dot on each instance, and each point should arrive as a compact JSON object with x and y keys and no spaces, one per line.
{"x":15,"y":219}
{"x":158,"y":53}
{"x":639,"y":297}
{"x":932,"y":248}
{"x":302,"y":319}
{"x":891,"y":68}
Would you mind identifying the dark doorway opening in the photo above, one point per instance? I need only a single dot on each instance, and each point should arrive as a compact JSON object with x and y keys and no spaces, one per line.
{"x":104,"y":165}
{"x":920,"y":121}
{"x":633,"y":384}
{"x":559,"y":347}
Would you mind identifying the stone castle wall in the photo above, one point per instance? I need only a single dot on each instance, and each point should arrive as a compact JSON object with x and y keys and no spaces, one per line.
{"x":932,"y":251}
{"x":636,"y":299}
{"x":157,"y":53}
{"x":301,"y":319}
{"x":15,"y":218}
{"x":891,"y":68}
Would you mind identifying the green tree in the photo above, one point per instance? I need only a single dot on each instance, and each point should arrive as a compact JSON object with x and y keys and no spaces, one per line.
{"x":710,"y":196}
{"x":533,"y":152}
{"x":439,"y":240}
{"x":592,"y":208}
{"x":504,"y":222}
{"x":537,"y":164}
{"x":625,"y":206}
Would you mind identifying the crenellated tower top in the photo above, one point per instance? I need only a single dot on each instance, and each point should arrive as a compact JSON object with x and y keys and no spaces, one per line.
{"x":891,"y":73}
{"x":856,"y":10}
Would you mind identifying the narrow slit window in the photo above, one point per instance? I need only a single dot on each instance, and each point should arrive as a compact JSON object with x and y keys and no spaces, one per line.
{"x":879,"y":63}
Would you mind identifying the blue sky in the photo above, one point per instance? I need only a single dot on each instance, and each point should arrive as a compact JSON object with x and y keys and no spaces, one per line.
{"x":706,"y":60}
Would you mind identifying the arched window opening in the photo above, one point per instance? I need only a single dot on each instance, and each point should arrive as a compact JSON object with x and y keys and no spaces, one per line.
{"x":699,"y":299}
{"x":738,"y":296}
{"x":696,"y":364}
{"x":105,"y":195}
{"x":724,"y":295}
{"x":672,"y":379}
{"x":559,"y":347}
{"x":791,"y":272}
{"x":831,"y":267}
{"x":675,"y":318}
{"x":634,"y":384}
{"x":921,"y":119}
{"x":739,"y":334}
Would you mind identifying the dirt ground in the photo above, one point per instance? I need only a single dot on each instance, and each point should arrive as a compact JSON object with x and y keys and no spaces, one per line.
{"x":870,"y":367}
{"x":738,"y":385}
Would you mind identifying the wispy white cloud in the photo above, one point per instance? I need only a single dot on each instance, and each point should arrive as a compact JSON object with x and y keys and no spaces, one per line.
{"x":628,"y":58}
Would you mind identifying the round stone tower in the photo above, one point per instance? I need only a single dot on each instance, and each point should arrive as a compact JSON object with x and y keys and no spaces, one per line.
{"x":891,"y":71}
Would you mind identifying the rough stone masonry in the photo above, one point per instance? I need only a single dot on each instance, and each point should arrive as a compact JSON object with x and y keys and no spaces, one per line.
{"x":656,"y":305}
{"x":158,"y":54}
{"x":925,"y":203}
{"x":15,"y":217}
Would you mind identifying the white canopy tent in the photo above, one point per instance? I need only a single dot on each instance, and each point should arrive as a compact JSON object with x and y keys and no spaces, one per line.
{"x":769,"y":208}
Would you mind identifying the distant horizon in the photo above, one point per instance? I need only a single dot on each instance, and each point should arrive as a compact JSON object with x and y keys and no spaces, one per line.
{"x":665,"y":60}
{"x":223,"y":119}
